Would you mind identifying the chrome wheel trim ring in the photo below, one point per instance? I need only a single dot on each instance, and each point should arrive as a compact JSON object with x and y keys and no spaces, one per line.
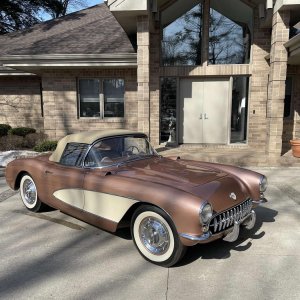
{"x":156,"y":246}
{"x":154,"y":235}
{"x":28,"y":191}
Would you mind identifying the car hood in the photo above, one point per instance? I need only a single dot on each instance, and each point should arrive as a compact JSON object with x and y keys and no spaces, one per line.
{"x":207,"y":183}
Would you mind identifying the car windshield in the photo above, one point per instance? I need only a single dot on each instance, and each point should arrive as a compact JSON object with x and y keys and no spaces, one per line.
{"x":118,"y":150}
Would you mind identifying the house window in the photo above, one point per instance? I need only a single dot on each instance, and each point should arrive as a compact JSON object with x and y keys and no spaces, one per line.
{"x":239,"y":109}
{"x":168,"y":110}
{"x":101,"y":98}
{"x":113,"y":97}
{"x":229,"y":32}
{"x":182,"y":38}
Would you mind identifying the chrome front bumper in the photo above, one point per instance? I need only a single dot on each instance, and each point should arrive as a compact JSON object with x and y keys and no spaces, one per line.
{"x":231,"y":234}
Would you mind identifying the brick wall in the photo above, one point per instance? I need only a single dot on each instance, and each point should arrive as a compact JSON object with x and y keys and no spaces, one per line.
{"x":257,"y":123}
{"x":257,"y":70}
{"x":20,"y":101}
{"x":277,"y":77}
{"x":60,"y":102}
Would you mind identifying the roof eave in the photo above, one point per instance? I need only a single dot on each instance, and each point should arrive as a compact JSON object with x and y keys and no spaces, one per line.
{"x":120,"y":60}
{"x":293,"y":48}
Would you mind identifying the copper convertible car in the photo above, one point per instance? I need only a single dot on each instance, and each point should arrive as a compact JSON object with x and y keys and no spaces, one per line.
{"x":112,"y":179}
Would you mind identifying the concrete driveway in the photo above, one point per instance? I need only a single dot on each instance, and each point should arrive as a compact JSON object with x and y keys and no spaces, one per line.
{"x":53,"y":256}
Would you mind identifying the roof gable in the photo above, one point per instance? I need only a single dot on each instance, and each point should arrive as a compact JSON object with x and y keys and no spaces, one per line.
{"x":91,"y":31}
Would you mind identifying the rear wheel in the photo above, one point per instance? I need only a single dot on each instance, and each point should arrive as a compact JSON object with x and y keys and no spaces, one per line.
{"x":155,"y":236}
{"x":29,"y":194}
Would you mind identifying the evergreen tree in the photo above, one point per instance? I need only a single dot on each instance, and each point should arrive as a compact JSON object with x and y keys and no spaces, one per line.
{"x":21,"y":14}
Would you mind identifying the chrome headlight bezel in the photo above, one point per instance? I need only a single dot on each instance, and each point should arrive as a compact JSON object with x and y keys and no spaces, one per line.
{"x":263,"y":184}
{"x":205,"y":213}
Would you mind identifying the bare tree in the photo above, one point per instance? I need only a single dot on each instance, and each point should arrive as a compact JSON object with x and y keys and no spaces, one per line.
{"x":66,"y":6}
{"x":227,"y":40}
{"x":184,"y":46}
{"x":21,"y":14}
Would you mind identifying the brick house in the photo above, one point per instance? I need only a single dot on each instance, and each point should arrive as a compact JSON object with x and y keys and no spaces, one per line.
{"x":208,"y":74}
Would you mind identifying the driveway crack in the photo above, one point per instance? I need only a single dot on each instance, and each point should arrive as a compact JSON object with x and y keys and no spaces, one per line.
{"x":167,"y":290}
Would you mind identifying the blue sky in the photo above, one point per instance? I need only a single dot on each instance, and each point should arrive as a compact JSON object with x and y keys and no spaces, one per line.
{"x":94,"y":2}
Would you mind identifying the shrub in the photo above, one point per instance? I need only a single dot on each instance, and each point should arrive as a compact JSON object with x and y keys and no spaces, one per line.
{"x":11,"y":142}
{"x":21,"y":131}
{"x":32,"y":139}
{"x":4,"y":128}
{"x":45,"y":146}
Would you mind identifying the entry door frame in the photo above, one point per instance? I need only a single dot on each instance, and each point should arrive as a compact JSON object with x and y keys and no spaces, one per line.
{"x":179,"y":116}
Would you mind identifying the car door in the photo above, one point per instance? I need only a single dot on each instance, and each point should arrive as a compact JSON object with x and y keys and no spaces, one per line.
{"x":64,"y":180}
{"x":105,"y":197}
{"x":66,"y":185}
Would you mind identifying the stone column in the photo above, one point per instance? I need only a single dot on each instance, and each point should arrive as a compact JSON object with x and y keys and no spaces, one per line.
{"x":277,"y":77}
{"x":143,"y":76}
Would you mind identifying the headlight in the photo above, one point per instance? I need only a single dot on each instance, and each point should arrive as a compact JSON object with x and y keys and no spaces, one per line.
{"x":263,"y":184}
{"x":205,"y":213}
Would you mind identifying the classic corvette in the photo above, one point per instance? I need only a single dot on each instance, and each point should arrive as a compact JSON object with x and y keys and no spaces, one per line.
{"x":114,"y":178}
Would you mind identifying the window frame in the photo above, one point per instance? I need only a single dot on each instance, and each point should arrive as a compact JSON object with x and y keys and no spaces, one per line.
{"x":80,"y":158}
{"x":101,"y":98}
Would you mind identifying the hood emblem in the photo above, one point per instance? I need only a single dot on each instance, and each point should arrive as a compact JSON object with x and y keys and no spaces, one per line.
{"x":232,"y":196}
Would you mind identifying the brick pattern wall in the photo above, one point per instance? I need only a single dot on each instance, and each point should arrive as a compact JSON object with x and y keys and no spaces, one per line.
{"x":258,"y":94}
{"x":61,"y":106}
{"x":20,"y":101}
{"x":257,"y":70}
{"x":155,"y":39}
{"x":143,"y":73}
{"x":276,"y":94}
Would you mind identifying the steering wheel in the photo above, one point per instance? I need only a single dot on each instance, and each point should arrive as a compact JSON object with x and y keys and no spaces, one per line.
{"x":132,"y":148}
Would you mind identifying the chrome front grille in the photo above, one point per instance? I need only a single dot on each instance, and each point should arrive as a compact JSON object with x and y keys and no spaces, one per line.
{"x":225,"y":220}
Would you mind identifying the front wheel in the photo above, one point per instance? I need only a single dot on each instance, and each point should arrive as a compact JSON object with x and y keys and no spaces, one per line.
{"x":29,"y":194}
{"x":155,"y":236}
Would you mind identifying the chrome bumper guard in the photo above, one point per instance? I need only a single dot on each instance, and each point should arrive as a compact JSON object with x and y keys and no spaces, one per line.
{"x":231,"y":234}
{"x":240,"y":215}
{"x":248,"y":221}
{"x":261,"y":200}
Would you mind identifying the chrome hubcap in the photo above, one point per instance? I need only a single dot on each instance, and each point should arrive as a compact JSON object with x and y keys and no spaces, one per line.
{"x":29,"y":191}
{"x":154,"y":236}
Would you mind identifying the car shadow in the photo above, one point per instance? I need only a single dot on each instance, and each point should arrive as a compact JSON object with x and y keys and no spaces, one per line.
{"x":220,"y":249}
{"x":123,"y":233}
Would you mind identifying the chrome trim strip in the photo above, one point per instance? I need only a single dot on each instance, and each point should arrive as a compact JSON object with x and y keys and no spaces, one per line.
{"x":260,"y":201}
{"x":231,"y":232}
{"x":197,"y":238}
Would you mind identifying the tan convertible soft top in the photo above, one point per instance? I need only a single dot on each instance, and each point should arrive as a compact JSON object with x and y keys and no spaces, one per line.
{"x":87,"y":137}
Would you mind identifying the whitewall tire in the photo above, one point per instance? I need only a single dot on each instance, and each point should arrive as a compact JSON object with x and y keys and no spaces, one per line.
{"x":155,"y":236}
{"x":29,"y":194}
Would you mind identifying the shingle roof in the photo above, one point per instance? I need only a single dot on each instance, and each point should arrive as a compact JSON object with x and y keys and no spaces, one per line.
{"x":91,"y":31}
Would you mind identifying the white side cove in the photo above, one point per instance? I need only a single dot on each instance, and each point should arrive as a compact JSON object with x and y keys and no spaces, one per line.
{"x":73,"y":197}
{"x":107,"y":206}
